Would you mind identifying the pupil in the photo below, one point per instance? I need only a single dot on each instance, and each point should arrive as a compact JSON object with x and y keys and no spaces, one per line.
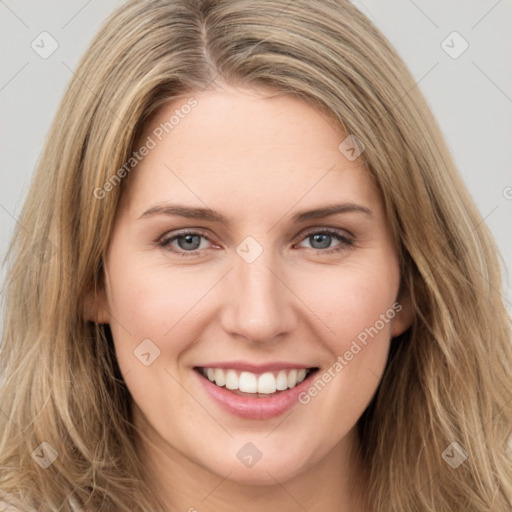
{"x":326,"y":239}
{"x":188,"y":240}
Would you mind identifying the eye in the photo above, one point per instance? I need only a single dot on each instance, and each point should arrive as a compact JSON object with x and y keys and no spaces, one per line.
{"x":323,"y":238}
{"x":189,"y":242}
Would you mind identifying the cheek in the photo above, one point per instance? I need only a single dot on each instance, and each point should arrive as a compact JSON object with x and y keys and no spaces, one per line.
{"x":351,"y":300}
{"x":149,"y":306}
{"x":151,"y":299}
{"x":359,"y":305}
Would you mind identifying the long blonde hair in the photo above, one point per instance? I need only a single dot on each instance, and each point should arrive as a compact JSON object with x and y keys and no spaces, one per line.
{"x":448,"y":377}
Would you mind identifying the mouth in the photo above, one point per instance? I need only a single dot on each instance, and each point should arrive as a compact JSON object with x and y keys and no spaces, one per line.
{"x":256,"y":385}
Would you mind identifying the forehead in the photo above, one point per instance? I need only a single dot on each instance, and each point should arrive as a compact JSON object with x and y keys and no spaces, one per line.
{"x":247,"y":148}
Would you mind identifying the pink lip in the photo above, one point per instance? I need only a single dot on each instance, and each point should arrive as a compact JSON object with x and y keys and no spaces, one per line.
{"x":253,"y":407}
{"x":255,"y":368}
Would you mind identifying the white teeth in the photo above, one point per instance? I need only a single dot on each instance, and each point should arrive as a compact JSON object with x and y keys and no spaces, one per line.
{"x":266,"y":383}
{"x":282,"y":381}
{"x":231,"y":379}
{"x":248,"y":382}
{"x":292,"y":379}
{"x":220,"y":377}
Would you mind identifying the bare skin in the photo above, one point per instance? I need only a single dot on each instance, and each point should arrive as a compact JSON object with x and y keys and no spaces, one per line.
{"x":257,"y":161}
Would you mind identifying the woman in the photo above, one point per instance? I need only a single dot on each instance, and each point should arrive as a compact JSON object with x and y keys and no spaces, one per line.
{"x":254,"y":369}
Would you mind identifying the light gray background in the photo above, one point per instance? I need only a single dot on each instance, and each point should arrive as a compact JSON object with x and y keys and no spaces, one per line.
{"x":471,"y":96}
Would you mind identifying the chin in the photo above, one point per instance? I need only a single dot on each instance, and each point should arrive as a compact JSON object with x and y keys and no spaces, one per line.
{"x":271,"y":467}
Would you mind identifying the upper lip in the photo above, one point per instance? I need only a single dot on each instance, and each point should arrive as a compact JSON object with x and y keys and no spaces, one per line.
{"x":256,"y":368}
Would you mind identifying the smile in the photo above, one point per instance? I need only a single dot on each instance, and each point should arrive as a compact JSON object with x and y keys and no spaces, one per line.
{"x":254,"y":392}
{"x":266,"y":383}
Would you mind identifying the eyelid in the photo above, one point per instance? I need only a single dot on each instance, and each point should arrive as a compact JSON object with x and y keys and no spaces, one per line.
{"x":204,"y":232}
{"x":316,"y":229}
{"x":347,"y":238}
{"x":169,"y":235}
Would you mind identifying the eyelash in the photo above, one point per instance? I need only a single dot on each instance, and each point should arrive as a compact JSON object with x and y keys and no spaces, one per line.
{"x":346,"y":242}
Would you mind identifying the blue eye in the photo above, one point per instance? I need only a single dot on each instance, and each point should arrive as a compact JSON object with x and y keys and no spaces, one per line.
{"x":324,"y":238}
{"x":191,"y":239}
{"x":189,"y":242}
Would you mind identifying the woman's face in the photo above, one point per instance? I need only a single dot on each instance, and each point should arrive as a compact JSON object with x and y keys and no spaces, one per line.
{"x":255,"y":300}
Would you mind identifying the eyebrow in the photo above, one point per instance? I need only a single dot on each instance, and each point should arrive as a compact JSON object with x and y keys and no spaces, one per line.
{"x":207,"y":214}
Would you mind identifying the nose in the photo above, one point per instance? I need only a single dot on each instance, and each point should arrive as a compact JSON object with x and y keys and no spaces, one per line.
{"x":258,"y":305}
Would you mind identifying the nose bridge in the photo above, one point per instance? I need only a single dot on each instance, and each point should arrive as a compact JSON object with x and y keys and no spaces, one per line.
{"x":259,"y":307}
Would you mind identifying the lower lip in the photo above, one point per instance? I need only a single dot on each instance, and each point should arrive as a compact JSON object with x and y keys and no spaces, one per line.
{"x":253,"y":407}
